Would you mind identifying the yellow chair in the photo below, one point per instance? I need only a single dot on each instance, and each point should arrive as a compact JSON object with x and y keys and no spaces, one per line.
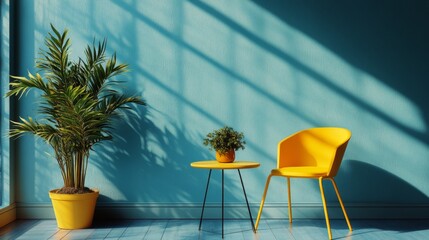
{"x":312,"y":153}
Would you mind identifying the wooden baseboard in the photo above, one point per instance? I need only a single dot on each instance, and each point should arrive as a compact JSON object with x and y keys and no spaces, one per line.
{"x":7,"y":215}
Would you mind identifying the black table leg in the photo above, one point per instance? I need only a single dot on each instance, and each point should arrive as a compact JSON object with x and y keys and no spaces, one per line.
{"x":222,"y":202}
{"x":205,"y":196}
{"x":247,"y":202}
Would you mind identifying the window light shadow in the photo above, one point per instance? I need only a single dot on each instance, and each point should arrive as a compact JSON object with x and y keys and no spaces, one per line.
{"x":307,"y":70}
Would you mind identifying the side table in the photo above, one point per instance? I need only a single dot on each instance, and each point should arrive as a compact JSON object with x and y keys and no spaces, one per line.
{"x":213,"y":164}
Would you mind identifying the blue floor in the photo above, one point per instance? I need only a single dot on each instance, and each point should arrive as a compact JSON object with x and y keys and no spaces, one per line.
{"x":211,"y":229}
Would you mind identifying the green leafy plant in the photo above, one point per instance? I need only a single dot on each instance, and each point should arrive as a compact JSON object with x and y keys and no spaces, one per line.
{"x":224,"y":139}
{"x":79,"y":100}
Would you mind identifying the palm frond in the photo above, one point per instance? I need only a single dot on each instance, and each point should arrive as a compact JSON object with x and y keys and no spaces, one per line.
{"x":55,"y":60}
{"x":94,"y":55}
{"x":113,"y":102}
{"x":21,"y":85}
{"x":44,"y":131}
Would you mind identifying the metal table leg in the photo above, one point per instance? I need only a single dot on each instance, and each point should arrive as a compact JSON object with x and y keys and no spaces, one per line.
{"x":247,"y":202}
{"x":205,"y":196}
{"x":222,"y":201}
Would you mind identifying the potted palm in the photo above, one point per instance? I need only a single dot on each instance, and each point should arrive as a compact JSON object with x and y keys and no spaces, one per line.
{"x":79,"y":102}
{"x":225,"y":141}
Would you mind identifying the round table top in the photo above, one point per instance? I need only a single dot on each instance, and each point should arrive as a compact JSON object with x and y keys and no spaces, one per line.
{"x":213,"y":164}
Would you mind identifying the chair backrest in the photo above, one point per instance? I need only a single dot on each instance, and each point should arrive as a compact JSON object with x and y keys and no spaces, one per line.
{"x":320,"y":147}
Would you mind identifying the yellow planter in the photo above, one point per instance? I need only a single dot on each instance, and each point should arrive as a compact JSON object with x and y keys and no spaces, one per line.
{"x":74,"y":211}
{"x":227,"y":157}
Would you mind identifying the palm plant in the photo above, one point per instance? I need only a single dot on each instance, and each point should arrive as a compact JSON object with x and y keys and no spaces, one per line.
{"x":79,"y":100}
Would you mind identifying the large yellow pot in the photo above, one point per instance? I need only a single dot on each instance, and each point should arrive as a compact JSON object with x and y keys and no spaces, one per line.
{"x":74,"y":211}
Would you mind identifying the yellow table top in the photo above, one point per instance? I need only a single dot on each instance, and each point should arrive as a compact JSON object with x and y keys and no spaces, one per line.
{"x":213,"y":164}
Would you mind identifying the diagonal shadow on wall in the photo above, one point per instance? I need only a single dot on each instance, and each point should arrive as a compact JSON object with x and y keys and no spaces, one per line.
{"x":384,"y":38}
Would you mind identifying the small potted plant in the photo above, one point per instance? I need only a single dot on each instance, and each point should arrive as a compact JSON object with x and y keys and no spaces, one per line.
{"x":79,"y":101}
{"x":225,"y":141}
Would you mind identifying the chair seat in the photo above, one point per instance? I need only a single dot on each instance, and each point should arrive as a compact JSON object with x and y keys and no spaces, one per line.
{"x":303,"y":172}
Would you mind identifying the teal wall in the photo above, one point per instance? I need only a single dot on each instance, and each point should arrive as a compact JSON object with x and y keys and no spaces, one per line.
{"x":5,"y":166}
{"x":267,"y":69}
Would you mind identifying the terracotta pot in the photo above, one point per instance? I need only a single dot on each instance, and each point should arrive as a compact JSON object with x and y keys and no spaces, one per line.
{"x":227,"y":157}
{"x":73,"y":211}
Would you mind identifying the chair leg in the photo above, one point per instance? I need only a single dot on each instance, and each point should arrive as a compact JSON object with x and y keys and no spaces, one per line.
{"x":289,"y":200}
{"x":262,"y":202}
{"x":322,"y":192}
{"x":341,"y":203}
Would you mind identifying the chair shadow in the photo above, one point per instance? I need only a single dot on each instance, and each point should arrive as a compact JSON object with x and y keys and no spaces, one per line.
{"x":375,"y":199}
{"x":362,"y":182}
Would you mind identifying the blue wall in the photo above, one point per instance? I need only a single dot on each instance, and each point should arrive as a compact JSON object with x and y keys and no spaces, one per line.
{"x":264,"y":68}
{"x":5,"y":166}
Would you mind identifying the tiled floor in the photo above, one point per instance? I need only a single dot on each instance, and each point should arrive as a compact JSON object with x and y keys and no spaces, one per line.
{"x":211,"y":229}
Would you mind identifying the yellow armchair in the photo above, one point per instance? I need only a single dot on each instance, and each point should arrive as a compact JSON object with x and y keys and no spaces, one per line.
{"x":311,"y":153}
